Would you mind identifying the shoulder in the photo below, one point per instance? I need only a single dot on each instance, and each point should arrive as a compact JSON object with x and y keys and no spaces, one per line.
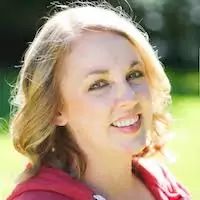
{"x":160,"y":180}
{"x":44,"y":195}
{"x":51,"y":183}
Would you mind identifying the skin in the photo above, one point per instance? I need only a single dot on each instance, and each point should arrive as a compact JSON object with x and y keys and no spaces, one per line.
{"x":88,"y":111}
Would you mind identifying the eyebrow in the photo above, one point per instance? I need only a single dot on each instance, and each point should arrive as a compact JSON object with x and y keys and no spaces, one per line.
{"x":105,"y":71}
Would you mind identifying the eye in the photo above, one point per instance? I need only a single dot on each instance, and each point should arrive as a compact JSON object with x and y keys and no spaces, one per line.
{"x":134,"y":75}
{"x":99,"y":84}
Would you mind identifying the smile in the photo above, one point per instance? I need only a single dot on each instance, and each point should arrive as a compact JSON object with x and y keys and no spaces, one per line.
{"x":131,"y":125}
{"x":127,"y":122}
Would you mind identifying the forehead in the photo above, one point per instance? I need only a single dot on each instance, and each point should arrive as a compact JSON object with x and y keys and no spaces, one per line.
{"x":97,"y":49}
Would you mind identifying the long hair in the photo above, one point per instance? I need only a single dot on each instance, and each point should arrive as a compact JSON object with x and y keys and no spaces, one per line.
{"x":36,"y":97}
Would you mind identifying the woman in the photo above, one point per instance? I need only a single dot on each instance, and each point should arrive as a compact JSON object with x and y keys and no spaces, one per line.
{"x":92,"y":99}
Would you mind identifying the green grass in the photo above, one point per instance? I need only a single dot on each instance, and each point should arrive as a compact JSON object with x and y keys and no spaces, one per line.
{"x":185,"y":146}
{"x":11,"y":164}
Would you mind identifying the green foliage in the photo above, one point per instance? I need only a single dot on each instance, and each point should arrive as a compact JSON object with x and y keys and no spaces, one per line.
{"x":3,"y":126}
{"x":184,"y":82}
{"x":7,"y":80}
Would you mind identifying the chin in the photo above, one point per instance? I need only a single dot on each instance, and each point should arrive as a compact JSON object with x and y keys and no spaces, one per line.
{"x":136,"y":150}
{"x":130,"y":144}
{"x":134,"y":146}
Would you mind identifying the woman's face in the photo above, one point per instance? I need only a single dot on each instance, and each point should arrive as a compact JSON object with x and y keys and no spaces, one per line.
{"x":103,"y":81}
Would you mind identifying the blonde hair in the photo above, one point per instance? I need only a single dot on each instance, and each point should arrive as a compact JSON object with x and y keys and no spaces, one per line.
{"x":37,"y":95}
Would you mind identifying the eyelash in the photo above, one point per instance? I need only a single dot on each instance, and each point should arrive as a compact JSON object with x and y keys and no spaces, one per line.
{"x":95,"y":86}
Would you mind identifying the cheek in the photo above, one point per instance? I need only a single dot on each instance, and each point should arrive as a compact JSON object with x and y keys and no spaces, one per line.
{"x":87,"y":111}
{"x":145,"y":98}
{"x":88,"y":119}
{"x":143,"y":90}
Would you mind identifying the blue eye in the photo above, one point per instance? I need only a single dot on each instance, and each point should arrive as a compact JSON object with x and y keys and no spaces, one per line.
{"x":99,"y":84}
{"x":134,"y":75}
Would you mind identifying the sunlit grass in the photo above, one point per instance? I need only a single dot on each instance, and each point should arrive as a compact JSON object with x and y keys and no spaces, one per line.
{"x":11,"y":164}
{"x":185,"y":144}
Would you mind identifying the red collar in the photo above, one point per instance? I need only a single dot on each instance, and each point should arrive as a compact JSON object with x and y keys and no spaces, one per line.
{"x":157,"y":179}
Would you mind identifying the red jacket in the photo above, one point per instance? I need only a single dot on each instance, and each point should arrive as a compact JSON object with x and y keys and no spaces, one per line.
{"x":54,"y":184}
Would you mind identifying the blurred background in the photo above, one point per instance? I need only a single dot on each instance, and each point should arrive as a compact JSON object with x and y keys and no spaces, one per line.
{"x":174,"y":30}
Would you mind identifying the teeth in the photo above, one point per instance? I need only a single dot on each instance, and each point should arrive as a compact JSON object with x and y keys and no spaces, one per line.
{"x":127,"y":122}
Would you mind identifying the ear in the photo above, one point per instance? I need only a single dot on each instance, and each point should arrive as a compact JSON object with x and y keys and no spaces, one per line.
{"x":60,"y":119}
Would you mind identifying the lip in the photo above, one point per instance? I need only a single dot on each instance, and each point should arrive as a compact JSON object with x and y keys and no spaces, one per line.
{"x":126,"y":117}
{"x":132,"y":129}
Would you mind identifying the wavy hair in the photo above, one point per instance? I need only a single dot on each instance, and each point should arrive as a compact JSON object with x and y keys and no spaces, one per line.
{"x":36,"y":96}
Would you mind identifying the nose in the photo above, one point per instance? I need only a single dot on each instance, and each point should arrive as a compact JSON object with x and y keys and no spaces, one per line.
{"x":125,"y":96}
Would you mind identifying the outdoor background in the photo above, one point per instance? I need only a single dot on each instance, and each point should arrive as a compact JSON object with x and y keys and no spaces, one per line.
{"x":174,"y":30}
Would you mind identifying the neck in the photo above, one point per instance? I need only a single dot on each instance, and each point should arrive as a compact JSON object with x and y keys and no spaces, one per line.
{"x":109,"y":175}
